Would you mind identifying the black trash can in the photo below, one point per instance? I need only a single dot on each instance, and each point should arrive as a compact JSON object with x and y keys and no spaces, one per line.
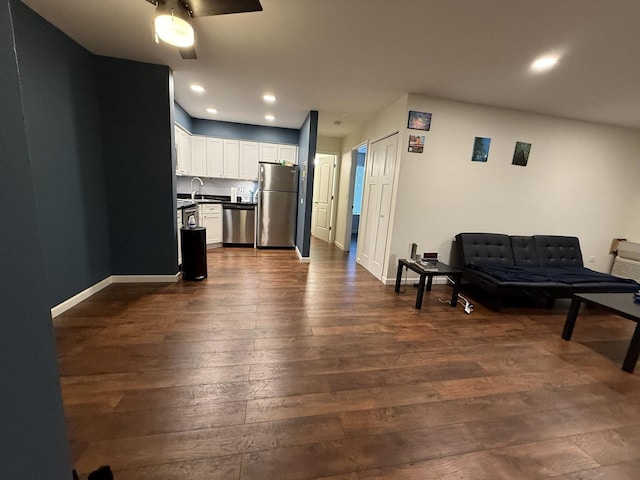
{"x":194,"y":253}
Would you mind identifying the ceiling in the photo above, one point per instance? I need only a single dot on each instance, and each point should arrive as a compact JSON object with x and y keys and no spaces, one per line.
{"x":350,"y":58}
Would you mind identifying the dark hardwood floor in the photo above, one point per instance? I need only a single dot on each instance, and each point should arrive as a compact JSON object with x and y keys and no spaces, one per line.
{"x":273,"y":369}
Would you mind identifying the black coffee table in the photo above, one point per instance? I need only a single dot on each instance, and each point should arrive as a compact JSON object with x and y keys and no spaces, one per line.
{"x":621,"y":304}
{"x":442,"y":269}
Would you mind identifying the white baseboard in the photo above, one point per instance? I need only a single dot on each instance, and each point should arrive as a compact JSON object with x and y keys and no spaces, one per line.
{"x":92,"y":290}
{"x":83,"y":295}
{"x":340,"y":246}
{"x":301,"y":258}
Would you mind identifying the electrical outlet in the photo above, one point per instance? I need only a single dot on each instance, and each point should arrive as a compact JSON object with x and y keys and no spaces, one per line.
{"x":592,"y":259}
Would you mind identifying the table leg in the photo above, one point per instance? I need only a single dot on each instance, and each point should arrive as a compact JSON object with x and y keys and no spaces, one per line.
{"x":456,"y":289}
{"x":420,"y":291}
{"x":634,"y":351}
{"x":399,"y":277}
{"x":572,"y":315}
{"x":429,"y":283}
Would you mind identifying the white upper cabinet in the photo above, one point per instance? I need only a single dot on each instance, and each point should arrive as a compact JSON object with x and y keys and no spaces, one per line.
{"x":231,"y":158}
{"x":249,"y":160}
{"x":288,"y":153}
{"x":198,"y":156}
{"x":215,"y":156}
{"x":183,"y":152}
{"x":278,"y":153}
{"x":268,"y":152}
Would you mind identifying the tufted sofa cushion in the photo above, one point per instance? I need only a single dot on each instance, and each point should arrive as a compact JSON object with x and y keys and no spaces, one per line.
{"x":558,"y":251}
{"x":484,"y":248}
{"x":524,"y":251}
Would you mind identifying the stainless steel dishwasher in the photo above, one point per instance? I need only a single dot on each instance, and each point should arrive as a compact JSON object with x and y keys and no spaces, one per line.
{"x":238,"y":224}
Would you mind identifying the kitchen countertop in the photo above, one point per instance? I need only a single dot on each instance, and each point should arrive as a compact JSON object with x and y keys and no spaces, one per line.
{"x":184,"y":203}
{"x":184,"y":200}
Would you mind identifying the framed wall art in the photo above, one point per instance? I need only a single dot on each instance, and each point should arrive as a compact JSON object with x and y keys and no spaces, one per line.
{"x":521,"y":154}
{"x":416,"y":143}
{"x":419,"y":121}
{"x":480,"y":149}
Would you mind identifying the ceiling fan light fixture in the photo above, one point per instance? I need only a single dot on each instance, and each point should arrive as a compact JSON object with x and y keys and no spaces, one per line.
{"x":173,"y":25}
{"x":544,"y":63}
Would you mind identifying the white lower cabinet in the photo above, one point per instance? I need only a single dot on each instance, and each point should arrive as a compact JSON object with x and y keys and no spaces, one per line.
{"x":211,"y":219}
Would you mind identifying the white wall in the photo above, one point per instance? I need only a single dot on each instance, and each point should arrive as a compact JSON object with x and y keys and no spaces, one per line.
{"x":581,"y":179}
{"x":330,"y":145}
{"x":633,"y":223}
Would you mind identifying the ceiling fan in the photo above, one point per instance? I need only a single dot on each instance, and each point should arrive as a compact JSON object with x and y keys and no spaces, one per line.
{"x":173,"y":19}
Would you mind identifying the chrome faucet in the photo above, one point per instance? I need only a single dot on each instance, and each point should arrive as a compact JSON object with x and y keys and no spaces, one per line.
{"x":193,"y":192}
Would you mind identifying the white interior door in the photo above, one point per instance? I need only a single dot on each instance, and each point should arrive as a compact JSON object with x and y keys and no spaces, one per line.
{"x":322,"y":196}
{"x":376,"y":204}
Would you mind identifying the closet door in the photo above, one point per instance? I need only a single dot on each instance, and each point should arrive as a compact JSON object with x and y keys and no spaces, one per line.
{"x":376,"y":204}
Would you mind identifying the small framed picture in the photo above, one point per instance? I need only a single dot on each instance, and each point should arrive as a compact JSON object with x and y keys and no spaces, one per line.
{"x":521,"y":154}
{"x":480,"y":149}
{"x":416,"y":143}
{"x":419,"y":121}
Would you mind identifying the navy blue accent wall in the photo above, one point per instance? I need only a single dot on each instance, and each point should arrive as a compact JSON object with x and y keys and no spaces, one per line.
{"x":63,"y":132}
{"x":182,"y":117}
{"x":33,"y":436}
{"x":242,"y":131}
{"x":137,"y":119}
{"x":308,"y":140}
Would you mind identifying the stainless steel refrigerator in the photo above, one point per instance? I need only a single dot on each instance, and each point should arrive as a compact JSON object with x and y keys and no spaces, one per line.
{"x":277,"y":205}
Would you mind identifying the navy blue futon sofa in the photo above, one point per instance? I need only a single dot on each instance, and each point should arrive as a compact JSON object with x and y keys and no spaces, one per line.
{"x":546,"y":266}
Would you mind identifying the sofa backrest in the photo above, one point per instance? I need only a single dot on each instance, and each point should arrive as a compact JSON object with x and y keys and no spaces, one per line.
{"x":484,"y":248}
{"x":558,"y":251}
{"x":524,"y":251}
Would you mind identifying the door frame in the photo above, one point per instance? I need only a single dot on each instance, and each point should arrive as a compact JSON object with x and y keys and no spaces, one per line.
{"x":352,"y":187}
{"x":332,"y":202}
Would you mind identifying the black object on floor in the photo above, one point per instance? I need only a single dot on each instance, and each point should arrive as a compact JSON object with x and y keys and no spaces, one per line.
{"x":103,"y":473}
{"x":194,"y":253}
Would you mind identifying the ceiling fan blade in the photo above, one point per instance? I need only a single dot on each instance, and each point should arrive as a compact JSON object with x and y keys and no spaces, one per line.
{"x":206,"y":8}
{"x":188,"y":53}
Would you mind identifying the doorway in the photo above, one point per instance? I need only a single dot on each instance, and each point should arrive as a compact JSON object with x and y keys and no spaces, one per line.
{"x":360,"y":155}
{"x":323,"y":197}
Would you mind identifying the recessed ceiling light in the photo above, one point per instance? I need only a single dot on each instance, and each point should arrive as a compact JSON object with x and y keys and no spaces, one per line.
{"x":197,"y":88}
{"x":544,"y":63}
{"x":269,"y":98}
{"x":271,"y":118}
{"x":212,"y":110}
